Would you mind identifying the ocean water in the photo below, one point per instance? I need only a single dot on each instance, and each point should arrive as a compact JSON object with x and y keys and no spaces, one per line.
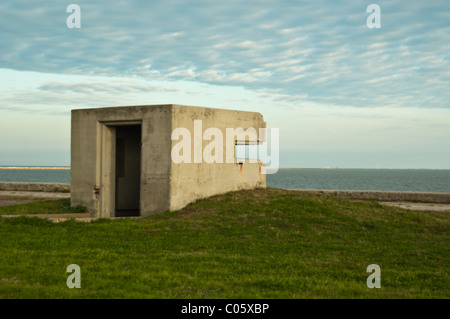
{"x":35,"y":175}
{"x":298,"y":178}
{"x":420,"y":180}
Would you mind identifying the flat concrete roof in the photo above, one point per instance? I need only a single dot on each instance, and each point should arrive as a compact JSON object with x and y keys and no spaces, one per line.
{"x":162,"y":105}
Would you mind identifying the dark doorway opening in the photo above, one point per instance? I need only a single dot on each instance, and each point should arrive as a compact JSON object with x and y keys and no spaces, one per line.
{"x":128,"y":170}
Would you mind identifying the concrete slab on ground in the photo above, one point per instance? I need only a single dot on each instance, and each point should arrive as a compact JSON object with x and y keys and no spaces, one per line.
{"x":428,"y":207}
{"x":37,"y":195}
{"x":79,"y":217}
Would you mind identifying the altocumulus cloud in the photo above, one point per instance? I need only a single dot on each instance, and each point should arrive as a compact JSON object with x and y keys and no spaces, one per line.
{"x":319,"y":50}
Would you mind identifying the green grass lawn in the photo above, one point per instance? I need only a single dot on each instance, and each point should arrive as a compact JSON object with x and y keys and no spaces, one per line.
{"x":59,"y":206}
{"x":249,"y":244}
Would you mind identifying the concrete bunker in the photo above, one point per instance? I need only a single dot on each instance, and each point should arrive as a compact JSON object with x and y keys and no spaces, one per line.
{"x":121,"y":158}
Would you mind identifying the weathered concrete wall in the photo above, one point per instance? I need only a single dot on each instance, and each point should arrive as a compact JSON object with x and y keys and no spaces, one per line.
{"x":190,"y":181}
{"x":83,"y":159}
{"x":388,"y":196}
{"x":164,"y":185}
{"x":156,"y":161}
{"x":34,"y":187}
{"x":93,"y":157}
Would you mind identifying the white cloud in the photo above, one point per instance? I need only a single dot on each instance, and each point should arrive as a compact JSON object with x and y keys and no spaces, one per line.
{"x":223,"y":42}
{"x":280,"y":56}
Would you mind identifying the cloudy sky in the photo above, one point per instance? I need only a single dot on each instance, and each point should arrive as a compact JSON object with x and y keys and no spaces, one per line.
{"x":340,"y":93}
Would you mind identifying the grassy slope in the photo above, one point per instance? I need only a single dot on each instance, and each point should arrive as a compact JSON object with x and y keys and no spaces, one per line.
{"x":248,"y":244}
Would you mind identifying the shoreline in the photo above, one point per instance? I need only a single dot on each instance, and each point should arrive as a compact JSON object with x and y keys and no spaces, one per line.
{"x":381,"y":196}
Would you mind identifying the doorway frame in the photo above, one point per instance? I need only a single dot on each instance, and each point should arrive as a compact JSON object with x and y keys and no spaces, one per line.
{"x":105,"y":191}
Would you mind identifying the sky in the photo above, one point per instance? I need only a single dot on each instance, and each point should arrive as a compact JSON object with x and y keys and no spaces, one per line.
{"x":341,"y":94}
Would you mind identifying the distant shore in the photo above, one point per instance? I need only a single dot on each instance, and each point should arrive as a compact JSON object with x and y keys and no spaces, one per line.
{"x":32,"y":167}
